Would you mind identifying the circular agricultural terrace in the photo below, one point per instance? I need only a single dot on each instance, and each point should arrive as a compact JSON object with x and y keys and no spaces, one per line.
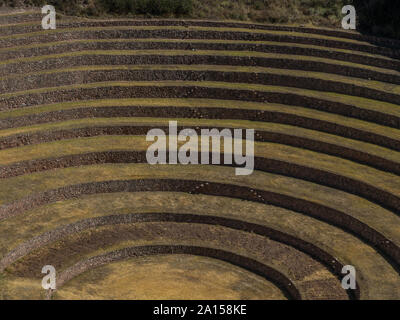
{"x":77,"y":192}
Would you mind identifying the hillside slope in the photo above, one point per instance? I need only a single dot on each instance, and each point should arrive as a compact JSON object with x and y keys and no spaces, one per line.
{"x":317,"y":12}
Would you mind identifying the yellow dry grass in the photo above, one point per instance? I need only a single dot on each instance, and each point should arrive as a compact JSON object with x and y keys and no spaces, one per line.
{"x":374,"y":177}
{"x":169,"y":277}
{"x":382,"y":220}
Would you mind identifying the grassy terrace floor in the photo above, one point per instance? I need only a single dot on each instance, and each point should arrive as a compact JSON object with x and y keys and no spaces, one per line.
{"x":382,"y":180}
{"x":179,"y":28}
{"x":110,"y":281}
{"x":87,"y":123}
{"x":48,"y":89}
{"x":357,"y":253}
{"x":227,"y":53}
{"x":202,"y":103}
{"x":281,"y":257}
{"x":52,"y":45}
{"x":384,"y":87}
{"x":178,"y":32}
{"x":359,"y":102}
{"x":384,"y":220}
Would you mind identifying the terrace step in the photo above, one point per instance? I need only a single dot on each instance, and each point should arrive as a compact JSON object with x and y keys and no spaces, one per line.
{"x":77,"y":192}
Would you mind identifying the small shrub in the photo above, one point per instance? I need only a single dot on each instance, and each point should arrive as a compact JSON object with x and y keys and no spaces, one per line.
{"x":148,"y":7}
